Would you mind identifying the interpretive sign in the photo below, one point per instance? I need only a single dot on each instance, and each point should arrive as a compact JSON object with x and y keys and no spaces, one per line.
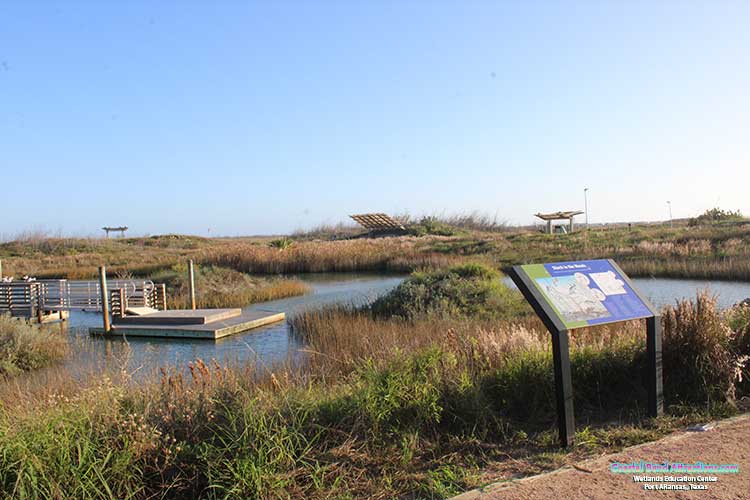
{"x":589,"y":292}
{"x":570,"y":295}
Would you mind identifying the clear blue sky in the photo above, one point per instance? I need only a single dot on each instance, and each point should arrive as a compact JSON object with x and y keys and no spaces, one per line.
{"x":263,"y":117}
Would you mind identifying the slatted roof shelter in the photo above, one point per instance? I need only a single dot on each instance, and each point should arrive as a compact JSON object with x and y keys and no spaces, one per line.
{"x":121,"y":230}
{"x":379,"y":223}
{"x":553,"y":216}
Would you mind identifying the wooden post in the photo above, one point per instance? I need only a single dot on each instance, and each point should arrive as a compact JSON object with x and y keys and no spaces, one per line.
{"x":39,"y":303}
{"x":105,"y":298}
{"x":549,"y":227}
{"x":1,"y":269}
{"x":163,"y":293}
{"x":570,"y":227}
{"x":191,"y":284}
{"x":123,"y":302}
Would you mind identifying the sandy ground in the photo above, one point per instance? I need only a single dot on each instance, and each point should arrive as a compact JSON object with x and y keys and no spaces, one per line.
{"x":728,"y":442}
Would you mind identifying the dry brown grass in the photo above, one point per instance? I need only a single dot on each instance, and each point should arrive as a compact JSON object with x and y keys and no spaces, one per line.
{"x":222,"y":287}
{"x":339,"y":338}
{"x":710,"y":252}
{"x":731,"y":269}
{"x":383,"y":254}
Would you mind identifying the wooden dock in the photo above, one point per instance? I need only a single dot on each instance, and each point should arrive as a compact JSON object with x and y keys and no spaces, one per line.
{"x":209,"y":324}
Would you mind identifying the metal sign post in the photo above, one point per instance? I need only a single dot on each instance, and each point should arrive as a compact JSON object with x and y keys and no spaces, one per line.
{"x":570,"y":295}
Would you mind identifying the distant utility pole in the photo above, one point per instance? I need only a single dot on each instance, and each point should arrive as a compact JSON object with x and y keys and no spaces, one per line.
{"x":669,"y":204}
{"x":586,"y":205}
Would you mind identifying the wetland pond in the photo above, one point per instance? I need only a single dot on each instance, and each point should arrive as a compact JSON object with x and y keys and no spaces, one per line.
{"x":273,"y":343}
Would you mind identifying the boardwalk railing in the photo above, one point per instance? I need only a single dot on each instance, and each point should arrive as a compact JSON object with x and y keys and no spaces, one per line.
{"x":20,"y":299}
{"x":119,"y":301}
{"x":29,"y":298}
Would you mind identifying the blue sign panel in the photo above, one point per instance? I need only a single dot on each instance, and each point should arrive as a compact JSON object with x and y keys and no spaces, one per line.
{"x":588,"y":292}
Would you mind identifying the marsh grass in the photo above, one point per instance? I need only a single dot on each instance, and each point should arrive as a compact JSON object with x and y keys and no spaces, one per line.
{"x":396,"y":254}
{"x":713,"y":251}
{"x":26,"y":347}
{"x":394,"y":408}
{"x":329,"y":232}
{"x":218,"y":287}
{"x":706,"y":268}
{"x":738,"y":318}
{"x":699,"y":359}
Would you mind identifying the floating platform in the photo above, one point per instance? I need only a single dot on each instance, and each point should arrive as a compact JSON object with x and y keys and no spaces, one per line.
{"x":207,"y":324}
{"x":180,"y":317}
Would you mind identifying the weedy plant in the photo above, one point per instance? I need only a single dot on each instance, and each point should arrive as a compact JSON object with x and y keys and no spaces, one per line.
{"x":281,"y":243}
{"x":26,"y":347}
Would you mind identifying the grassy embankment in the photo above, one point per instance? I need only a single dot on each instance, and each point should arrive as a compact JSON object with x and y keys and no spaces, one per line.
{"x":715,"y":251}
{"x":79,"y":258}
{"x":444,"y":385}
{"x":706,"y":251}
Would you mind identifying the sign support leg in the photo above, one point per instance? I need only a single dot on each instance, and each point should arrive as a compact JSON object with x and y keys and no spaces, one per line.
{"x":563,"y":388}
{"x":654,"y":377}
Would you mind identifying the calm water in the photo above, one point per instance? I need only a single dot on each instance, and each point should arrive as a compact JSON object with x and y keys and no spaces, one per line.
{"x":273,"y":343}
{"x":267,"y":344}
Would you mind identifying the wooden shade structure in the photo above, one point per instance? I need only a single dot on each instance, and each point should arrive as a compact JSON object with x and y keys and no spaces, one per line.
{"x":120,"y":229}
{"x":378,"y":222}
{"x":552,"y":216}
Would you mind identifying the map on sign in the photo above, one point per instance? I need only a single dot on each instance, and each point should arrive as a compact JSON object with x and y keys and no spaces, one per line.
{"x":589,"y":292}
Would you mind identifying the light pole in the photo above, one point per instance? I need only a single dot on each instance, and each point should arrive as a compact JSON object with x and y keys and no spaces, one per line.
{"x":586,"y":206}
{"x":669,"y":204}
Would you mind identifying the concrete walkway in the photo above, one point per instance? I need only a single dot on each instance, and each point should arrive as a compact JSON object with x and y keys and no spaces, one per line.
{"x":727,"y":442}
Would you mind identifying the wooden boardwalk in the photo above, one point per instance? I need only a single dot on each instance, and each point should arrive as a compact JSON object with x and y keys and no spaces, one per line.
{"x":186,"y":324}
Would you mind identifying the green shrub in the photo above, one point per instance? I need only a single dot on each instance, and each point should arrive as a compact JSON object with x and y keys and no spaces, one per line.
{"x":715,"y":215}
{"x":469,"y":290}
{"x":432,"y":226}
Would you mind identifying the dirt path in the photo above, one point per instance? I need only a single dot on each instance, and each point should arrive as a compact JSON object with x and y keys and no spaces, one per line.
{"x":728,"y":442}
